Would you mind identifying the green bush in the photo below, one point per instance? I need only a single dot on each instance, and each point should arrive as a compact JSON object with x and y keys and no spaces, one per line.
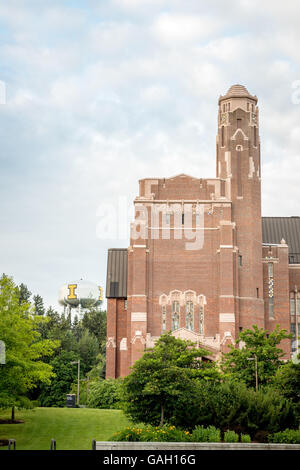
{"x":105,"y":394}
{"x":289,"y":436}
{"x":245,"y":438}
{"x":231,"y":436}
{"x":232,"y":406}
{"x":142,"y":433}
{"x":209,"y":434}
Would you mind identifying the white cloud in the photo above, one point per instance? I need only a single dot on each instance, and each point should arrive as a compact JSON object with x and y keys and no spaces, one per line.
{"x":181,"y":28}
{"x":100,"y":97}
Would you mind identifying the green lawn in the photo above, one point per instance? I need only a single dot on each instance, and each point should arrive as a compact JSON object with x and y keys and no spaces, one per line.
{"x":72,"y":428}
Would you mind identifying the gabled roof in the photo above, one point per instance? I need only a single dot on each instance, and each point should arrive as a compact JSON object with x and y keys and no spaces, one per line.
{"x":274,"y":229}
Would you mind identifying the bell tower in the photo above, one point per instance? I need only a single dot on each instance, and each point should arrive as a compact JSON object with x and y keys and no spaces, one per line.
{"x":238,"y":163}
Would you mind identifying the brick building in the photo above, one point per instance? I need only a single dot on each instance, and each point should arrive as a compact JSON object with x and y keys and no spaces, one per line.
{"x":202,"y":262}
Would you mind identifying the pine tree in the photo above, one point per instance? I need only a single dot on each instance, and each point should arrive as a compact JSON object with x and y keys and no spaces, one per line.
{"x":24,"y":294}
{"x":39,"y":305}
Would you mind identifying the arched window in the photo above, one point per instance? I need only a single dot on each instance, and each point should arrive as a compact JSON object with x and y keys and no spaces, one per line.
{"x":189,"y":315}
{"x":175,"y":315}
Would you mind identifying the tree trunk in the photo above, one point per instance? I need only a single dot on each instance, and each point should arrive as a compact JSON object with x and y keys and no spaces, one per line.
{"x":161,"y":415}
{"x":13,"y":413}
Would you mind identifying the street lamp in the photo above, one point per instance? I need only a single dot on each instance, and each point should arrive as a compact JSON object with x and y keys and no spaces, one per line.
{"x":256,"y":374}
{"x":78,"y":379}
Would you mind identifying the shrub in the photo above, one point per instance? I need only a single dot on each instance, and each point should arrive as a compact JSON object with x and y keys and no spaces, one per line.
{"x":232,"y":406}
{"x":231,"y":436}
{"x":142,"y":433}
{"x":209,"y":434}
{"x":289,"y":436}
{"x":105,"y":394}
{"x":245,"y":438}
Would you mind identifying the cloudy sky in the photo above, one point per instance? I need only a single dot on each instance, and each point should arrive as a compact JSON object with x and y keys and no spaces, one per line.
{"x":97,"y":94}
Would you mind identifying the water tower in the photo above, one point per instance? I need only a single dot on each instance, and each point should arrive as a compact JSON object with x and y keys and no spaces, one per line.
{"x":80,"y":295}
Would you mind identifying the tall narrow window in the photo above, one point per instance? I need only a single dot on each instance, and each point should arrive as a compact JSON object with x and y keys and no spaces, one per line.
{"x":293,"y":331}
{"x":222,"y":136}
{"x":175,"y":315}
{"x":248,"y":106}
{"x":240,"y":260}
{"x":238,"y":123}
{"x":197,"y":220}
{"x":189,"y":315}
{"x":164,"y":318}
{"x":292,"y":303}
{"x":125,"y":304}
{"x":201,"y":320}
{"x":167,"y":219}
{"x":271,"y":289}
{"x":257,"y":292}
{"x":255,"y":136}
{"x":271,"y":269}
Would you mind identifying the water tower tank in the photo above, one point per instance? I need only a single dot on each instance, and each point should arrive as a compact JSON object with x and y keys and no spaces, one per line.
{"x":81,"y":293}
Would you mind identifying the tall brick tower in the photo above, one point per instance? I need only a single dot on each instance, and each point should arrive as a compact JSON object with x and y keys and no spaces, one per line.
{"x":197,"y":264}
{"x":238,"y":162}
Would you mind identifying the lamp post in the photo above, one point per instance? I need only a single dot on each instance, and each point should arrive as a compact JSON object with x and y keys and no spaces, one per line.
{"x":78,"y":379}
{"x":256,"y":372}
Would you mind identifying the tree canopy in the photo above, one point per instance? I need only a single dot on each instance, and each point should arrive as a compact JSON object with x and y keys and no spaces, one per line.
{"x":25,"y":349}
{"x":255,"y":344}
{"x":162,"y":380}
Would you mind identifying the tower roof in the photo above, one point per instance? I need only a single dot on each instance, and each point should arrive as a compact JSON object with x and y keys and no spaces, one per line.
{"x":237,"y":91}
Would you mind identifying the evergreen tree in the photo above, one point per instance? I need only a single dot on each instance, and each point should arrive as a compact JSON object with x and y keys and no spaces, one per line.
{"x":54,"y":393}
{"x":88,"y":348}
{"x":24,"y":294}
{"x":95,"y":321}
{"x":38,"y":305}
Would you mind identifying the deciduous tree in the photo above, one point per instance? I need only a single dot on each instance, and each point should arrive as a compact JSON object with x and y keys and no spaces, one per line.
{"x":162,"y":384}
{"x":25,"y":349}
{"x":254,"y":345}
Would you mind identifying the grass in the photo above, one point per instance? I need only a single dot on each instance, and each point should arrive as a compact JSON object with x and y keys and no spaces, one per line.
{"x":72,"y":428}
